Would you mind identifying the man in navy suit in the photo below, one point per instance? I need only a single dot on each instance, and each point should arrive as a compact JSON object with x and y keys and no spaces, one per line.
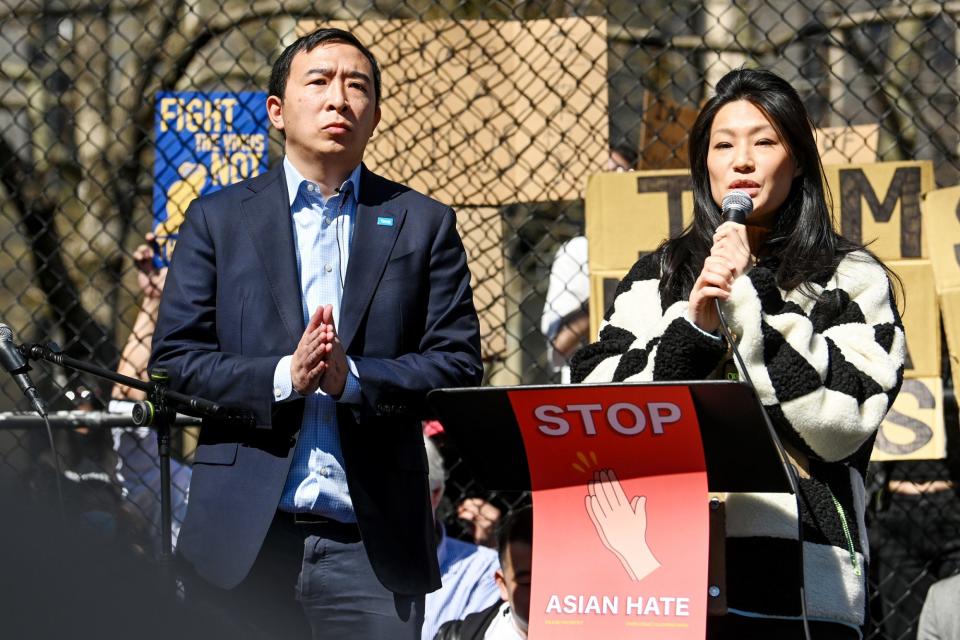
{"x":328,"y":301}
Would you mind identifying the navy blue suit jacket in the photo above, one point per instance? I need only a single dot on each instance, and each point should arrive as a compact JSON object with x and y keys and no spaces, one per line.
{"x":231,"y":309}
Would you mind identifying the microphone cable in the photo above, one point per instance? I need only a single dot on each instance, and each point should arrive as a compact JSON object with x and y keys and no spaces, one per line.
{"x":736,"y":206}
{"x":16,"y":365}
{"x":791,"y":472}
{"x":56,"y":466}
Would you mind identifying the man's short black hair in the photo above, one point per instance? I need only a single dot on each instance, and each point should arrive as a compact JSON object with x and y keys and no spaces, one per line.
{"x":518,"y":527}
{"x":281,"y":68}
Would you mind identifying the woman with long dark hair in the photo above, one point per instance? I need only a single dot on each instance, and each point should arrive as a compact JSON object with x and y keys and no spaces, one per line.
{"x":816,"y":323}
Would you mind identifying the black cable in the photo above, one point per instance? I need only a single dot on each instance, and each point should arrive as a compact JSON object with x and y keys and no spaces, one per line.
{"x":789,"y":468}
{"x":56,"y":466}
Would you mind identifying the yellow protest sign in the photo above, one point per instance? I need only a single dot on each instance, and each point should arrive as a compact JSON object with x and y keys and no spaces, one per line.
{"x":941,"y":228}
{"x":950,"y":310}
{"x":913,"y":428}
{"x":921,"y":316}
{"x":603,"y":288}
{"x":631,"y":213}
{"x":879,"y":204}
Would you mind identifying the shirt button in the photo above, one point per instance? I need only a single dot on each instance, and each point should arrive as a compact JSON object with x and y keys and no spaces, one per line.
{"x":328,"y":268}
{"x":324,"y":472}
{"x":277,"y":392}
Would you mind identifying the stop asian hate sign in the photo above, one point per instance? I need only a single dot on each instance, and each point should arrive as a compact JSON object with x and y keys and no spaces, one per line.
{"x":620,"y":511}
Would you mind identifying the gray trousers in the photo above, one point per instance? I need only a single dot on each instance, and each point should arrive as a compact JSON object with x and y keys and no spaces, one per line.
{"x":311,"y":582}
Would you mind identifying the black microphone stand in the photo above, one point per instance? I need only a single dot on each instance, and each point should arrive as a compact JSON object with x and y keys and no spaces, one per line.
{"x":158,"y":411}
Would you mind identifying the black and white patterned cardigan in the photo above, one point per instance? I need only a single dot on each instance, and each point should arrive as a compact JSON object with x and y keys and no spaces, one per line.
{"x":826,"y":368}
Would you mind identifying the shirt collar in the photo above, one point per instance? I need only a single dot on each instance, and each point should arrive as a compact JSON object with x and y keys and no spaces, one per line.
{"x":295,"y":179}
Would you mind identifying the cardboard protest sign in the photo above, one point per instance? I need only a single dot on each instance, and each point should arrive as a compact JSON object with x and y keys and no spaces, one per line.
{"x":488,"y":112}
{"x":879,"y":204}
{"x":950,"y":310}
{"x":913,"y":428}
{"x":917,"y":295}
{"x":632,"y":213}
{"x":843,"y":145}
{"x":941,"y":228}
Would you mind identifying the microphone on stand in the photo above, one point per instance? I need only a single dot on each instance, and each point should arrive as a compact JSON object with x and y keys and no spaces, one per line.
{"x":17,"y":367}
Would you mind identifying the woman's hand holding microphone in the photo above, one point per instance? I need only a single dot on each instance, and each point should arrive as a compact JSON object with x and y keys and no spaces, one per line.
{"x":729,"y":258}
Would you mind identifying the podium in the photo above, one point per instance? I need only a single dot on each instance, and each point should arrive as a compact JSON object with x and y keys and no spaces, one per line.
{"x":482,"y":424}
{"x":621,"y":476}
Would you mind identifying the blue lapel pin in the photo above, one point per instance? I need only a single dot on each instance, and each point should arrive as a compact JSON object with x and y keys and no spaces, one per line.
{"x":384,"y":221}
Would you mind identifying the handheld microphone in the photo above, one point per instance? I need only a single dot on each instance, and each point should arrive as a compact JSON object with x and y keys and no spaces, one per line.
{"x":736,"y":206}
{"x":14,"y":363}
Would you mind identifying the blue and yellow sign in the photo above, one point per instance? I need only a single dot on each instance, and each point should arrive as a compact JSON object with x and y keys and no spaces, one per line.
{"x":205,"y":141}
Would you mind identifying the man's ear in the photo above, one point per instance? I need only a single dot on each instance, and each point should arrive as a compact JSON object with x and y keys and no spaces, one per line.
{"x":275,"y":112}
{"x":502,"y":585}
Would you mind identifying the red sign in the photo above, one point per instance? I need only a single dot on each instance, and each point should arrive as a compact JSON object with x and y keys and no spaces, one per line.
{"x":620,"y":512}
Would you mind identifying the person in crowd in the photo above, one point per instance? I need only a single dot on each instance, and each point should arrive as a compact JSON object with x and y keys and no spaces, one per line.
{"x":565,"y":321}
{"x":815,"y":320}
{"x":466,"y":570}
{"x":506,"y":619}
{"x":138,"y":467}
{"x":914,"y":518}
{"x":940,"y":617}
{"x":327,"y":301}
{"x":480,"y":518}
{"x":90,"y":493}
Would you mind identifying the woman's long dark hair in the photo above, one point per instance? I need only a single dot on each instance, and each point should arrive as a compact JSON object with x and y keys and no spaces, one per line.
{"x":802,"y":242}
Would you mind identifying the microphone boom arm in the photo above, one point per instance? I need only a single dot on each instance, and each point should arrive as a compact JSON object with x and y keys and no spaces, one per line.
{"x":181,"y":402}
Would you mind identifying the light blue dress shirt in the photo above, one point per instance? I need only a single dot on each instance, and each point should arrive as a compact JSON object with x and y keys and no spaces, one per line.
{"x":323,"y":233}
{"x":467,"y":583}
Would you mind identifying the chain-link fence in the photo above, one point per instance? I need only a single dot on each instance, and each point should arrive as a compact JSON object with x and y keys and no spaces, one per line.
{"x":501,"y":109}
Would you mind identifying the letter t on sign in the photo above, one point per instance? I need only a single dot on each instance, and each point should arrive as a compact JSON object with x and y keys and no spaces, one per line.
{"x":674,"y":186}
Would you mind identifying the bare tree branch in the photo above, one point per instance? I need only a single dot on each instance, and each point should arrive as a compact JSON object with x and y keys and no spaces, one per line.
{"x":83,"y":335}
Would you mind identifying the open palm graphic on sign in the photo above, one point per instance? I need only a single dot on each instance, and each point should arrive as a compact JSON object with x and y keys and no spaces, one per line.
{"x":621,"y":524}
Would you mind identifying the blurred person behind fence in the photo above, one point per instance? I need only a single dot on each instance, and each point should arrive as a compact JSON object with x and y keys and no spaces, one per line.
{"x":565,"y":321}
{"x":466,"y":570}
{"x":138,"y":465}
{"x":940,"y":617}
{"x":508,"y":618}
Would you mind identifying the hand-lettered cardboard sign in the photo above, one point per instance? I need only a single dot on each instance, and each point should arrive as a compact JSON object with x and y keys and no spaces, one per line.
{"x":488,"y":112}
{"x":913,"y":428}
